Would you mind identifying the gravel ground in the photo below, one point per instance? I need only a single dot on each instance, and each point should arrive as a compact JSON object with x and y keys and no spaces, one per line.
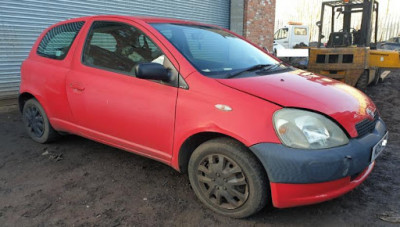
{"x":75,"y":181}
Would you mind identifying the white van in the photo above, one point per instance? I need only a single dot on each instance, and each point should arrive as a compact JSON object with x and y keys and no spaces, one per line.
{"x":290,"y":36}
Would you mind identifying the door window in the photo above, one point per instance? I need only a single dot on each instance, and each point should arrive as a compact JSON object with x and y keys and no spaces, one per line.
{"x":284,"y":33}
{"x":105,"y":41}
{"x":57,"y":42}
{"x":281,"y":33}
{"x":276,"y":35}
{"x":119,"y":47}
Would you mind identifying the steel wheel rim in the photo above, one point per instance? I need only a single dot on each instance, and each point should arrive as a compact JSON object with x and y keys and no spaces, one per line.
{"x":222,"y":181}
{"x":34,"y":121}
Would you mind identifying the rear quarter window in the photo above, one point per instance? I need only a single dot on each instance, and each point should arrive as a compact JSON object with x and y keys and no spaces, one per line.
{"x":300,"y":31}
{"x":57,"y":42}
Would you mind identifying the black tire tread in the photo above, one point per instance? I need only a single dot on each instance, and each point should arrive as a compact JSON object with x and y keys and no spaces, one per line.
{"x":378,"y":73}
{"x":362,"y":82}
{"x":50,"y":134}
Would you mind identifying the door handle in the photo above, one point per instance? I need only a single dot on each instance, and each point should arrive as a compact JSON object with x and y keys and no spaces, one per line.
{"x":77,"y":86}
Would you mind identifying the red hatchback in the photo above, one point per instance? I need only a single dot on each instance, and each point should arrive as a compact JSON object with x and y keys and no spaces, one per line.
{"x":247,"y":128}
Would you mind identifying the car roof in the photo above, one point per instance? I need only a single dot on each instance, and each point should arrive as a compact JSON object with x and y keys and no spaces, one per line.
{"x":145,"y":19}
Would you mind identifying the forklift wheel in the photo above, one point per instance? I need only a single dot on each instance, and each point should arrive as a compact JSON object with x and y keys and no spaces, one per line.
{"x":377,"y":77}
{"x":362,"y":82}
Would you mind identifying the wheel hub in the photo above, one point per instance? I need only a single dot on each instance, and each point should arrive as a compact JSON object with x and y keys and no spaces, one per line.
{"x":34,"y":121}
{"x":222,"y":181}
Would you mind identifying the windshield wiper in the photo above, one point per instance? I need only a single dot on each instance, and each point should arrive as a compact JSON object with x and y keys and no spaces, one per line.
{"x":271,"y":67}
{"x":252,"y":68}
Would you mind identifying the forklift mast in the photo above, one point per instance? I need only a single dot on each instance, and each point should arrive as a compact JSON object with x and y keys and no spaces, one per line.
{"x":349,"y":55}
{"x":362,"y":37}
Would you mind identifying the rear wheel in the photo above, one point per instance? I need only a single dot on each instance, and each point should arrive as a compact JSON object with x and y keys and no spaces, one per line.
{"x":362,"y":82}
{"x":36,"y":122}
{"x":227,"y":178}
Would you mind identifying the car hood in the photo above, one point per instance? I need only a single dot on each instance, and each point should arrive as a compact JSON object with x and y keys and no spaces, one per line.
{"x":305,"y":90}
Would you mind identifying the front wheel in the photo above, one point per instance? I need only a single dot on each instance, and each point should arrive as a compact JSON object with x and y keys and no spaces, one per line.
{"x":377,"y":77}
{"x":228,"y":178}
{"x":362,"y":82}
{"x":36,"y":122}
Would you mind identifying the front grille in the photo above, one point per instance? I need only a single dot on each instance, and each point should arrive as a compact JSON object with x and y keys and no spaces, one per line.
{"x":366,"y":126}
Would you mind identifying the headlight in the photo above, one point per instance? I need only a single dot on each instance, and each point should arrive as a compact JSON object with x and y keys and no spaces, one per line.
{"x":307,"y":130}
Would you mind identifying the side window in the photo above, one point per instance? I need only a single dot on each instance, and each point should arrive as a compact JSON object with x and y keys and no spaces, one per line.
{"x":105,"y":41}
{"x":279,"y":34}
{"x":276,"y":34}
{"x":119,"y":47}
{"x":284,"y":33}
{"x":300,"y":31}
{"x":57,"y":42}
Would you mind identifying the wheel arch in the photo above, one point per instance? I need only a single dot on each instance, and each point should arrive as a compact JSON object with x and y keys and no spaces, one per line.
{"x":22,"y":98}
{"x":195,"y":140}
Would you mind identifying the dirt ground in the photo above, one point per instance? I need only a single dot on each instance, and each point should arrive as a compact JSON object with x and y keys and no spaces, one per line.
{"x":75,"y":181}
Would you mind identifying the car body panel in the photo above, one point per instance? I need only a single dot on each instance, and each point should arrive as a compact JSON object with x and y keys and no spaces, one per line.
{"x":123,"y":103}
{"x":305,"y":90}
{"x":196,"y":113}
{"x":48,"y":85}
{"x":292,"y":195}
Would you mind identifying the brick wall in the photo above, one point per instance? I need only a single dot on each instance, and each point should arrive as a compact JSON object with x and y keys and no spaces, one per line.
{"x":259,"y":20}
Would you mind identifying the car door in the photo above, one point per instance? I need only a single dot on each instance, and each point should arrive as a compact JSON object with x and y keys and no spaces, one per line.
{"x":109,"y":103}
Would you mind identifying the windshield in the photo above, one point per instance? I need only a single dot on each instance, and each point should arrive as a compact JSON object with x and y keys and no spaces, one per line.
{"x":213,"y":51}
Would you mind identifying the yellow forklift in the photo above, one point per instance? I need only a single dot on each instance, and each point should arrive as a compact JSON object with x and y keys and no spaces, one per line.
{"x":349,"y":55}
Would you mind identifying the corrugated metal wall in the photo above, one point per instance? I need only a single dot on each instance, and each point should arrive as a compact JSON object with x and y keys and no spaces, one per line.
{"x":22,"y":21}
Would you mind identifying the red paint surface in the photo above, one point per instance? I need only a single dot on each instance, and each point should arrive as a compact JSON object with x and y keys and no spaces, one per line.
{"x":291,"y":195}
{"x":306,"y":90}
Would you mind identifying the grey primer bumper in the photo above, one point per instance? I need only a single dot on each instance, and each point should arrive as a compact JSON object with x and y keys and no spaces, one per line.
{"x":300,"y":166}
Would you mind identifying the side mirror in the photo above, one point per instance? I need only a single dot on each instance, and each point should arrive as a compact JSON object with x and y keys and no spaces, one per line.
{"x":152,"y":71}
{"x":319,"y":23}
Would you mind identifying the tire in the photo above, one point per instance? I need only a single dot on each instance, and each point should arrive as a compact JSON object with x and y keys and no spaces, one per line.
{"x":36,"y":123}
{"x":376,"y":80}
{"x":362,"y":82}
{"x":240,"y":182}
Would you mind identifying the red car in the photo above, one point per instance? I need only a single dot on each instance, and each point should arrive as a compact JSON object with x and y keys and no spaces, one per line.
{"x":246,"y":128}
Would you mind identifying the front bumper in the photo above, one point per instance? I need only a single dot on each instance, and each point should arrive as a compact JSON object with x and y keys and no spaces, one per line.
{"x":301,"y":177}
